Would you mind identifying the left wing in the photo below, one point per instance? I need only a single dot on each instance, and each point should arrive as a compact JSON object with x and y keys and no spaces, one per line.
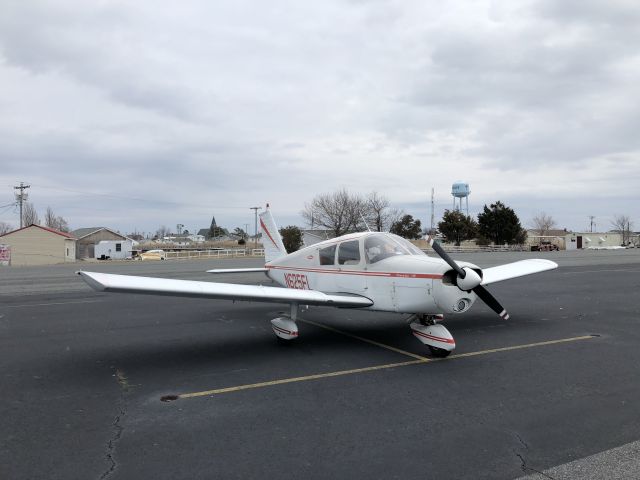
{"x":516,"y":269}
{"x":188,"y":288}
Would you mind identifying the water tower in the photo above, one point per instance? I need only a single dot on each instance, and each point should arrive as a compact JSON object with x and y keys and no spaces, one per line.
{"x":460,"y":190}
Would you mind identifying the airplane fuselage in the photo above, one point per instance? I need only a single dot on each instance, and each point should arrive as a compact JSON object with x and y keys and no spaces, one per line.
{"x":410,"y":282}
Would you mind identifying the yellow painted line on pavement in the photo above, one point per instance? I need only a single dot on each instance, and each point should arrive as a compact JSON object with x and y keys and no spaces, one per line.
{"x":49,"y":304}
{"x":318,"y":376}
{"x":301,"y":379}
{"x":520,"y":347}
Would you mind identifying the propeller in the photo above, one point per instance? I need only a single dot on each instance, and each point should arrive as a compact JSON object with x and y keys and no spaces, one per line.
{"x":469,"y":279}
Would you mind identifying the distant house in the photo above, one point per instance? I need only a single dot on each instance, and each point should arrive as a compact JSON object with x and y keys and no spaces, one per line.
{"x":89,"y":237}
{"x":311,"y":237}
{"x":38,"y":245}
{"x":183,"y":239}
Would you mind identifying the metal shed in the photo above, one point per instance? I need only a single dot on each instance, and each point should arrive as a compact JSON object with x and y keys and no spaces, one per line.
{"x":89,"y":237}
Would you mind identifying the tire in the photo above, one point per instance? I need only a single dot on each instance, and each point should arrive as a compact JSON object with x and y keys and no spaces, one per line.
{"x":282,"y":342}
{"x":439,"y":352}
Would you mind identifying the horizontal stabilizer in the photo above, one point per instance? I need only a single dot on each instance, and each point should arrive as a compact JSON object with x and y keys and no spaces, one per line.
{"x":516,"y":269}
{"x":109,"y":282}
{"x":237,"y":270}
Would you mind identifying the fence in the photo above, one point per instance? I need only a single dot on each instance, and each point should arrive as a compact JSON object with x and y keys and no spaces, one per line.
{"x":214,"y":253}
{"x":478,"y":248}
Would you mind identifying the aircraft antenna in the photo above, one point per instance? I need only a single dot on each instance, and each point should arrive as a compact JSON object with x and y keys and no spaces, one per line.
{"x":365,"y":222}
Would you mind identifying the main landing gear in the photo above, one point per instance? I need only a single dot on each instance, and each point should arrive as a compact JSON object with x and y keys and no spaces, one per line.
{"x":424,"y":327}
{"x":432,"y":334}
{"x":284,"y":327}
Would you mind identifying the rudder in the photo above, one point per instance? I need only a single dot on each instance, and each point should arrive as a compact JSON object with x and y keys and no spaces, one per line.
{"x":271,"y":239}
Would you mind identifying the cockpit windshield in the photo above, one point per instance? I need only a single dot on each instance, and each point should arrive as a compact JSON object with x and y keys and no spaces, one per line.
{"x":408,"y":245}
{"x":380,"y":246}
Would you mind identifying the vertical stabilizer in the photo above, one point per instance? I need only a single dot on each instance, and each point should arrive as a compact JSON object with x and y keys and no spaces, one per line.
{"x":271,"y":239}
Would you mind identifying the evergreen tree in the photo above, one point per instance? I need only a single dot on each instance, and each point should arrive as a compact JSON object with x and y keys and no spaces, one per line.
{"x":457,"y":227}
{"x":291,"y":238}
{"x":501,"y":225}
{"x":407,"y":227}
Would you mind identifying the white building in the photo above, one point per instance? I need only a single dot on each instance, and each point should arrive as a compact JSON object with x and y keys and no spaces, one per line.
{"x":37,"y":245}
{"x":114,"y":249}
{"x":593,"y":240}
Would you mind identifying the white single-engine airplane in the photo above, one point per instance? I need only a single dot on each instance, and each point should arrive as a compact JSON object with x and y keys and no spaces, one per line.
{"x":369,"y":270}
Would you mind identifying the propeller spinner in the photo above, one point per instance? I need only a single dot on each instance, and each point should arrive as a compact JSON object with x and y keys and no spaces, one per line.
{"x":469,"y":279}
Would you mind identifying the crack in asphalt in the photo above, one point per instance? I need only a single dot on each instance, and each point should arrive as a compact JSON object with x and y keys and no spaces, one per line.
{"x":117,"y":427}
{"x":523,"y":461}
{"x":526,"y":446}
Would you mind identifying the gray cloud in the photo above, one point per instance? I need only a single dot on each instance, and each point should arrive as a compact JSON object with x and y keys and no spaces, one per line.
{"x":199,"y":107}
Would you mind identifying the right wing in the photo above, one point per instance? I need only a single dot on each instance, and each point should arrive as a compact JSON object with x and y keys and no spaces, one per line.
{"x":516,"y":269}
{"x":188,"y":288}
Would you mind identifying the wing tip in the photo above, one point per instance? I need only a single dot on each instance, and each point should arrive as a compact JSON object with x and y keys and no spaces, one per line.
{"x":91,"y":281}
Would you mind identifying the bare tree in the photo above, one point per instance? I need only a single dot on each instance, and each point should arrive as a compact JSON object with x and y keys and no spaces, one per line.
{"x":340,"y":211}
{"x":162,"y":232}
{"x":63,"y":226}
{"x":52,"y":220}
{"x":380,"y":216}
{"x":5,"y":227}
{"x":543,"y":223}
{"x":622,"y":224}
{"x":29,"y":215}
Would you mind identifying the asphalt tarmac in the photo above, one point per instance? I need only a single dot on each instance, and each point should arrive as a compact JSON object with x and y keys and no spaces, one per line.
{"x":553,"y":393}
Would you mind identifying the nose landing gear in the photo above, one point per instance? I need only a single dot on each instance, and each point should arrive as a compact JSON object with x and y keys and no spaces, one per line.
{"x":435,"y":336}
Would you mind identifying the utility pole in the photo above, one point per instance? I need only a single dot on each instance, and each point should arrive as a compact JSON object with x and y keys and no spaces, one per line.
{"x":21,"y":197}
{"x":432,"y":212}
{"x":246,"y":231}
{"x":591,"y":217}
{"x":255,"y":212}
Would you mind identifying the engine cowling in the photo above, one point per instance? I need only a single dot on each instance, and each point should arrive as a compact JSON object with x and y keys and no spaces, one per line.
{"x":451,"y":299}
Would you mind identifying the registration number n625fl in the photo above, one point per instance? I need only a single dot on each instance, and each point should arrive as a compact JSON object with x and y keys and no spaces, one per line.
{"x":296,"y":280}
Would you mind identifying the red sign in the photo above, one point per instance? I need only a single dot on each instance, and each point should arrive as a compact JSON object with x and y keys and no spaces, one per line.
{"x":5,"y":254}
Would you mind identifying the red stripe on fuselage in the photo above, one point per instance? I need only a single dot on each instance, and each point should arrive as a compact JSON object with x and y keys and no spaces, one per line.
{"x":355,"y":272}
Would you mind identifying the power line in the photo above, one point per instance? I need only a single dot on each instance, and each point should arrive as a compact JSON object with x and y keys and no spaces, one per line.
{"x":137,"y":199}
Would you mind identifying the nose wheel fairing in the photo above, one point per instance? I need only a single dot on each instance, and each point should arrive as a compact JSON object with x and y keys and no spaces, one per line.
{"x":434,"y":335}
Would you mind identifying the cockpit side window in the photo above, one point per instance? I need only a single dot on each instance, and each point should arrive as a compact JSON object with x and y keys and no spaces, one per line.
{"x":327,"y":255}
{"x":349,"y":253}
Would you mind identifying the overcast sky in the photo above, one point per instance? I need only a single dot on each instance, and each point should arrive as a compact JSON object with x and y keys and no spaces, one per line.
{"x":135,"y":114}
